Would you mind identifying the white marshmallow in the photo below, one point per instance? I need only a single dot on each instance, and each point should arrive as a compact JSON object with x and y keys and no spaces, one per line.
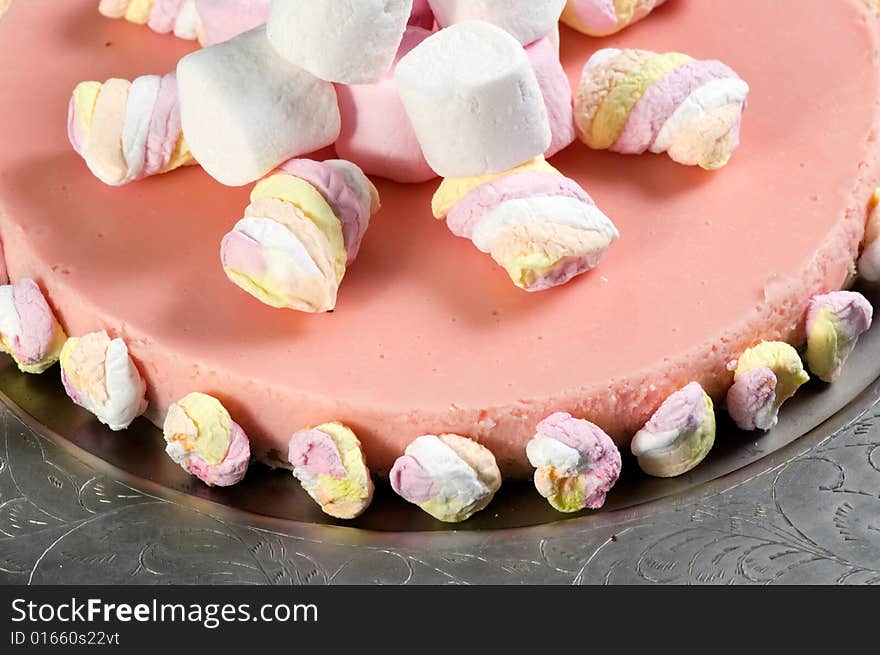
{"x":474,"y":101}
{"x":244,"y":110}
{"x":527,"y":20}
{"x":339,"y":40}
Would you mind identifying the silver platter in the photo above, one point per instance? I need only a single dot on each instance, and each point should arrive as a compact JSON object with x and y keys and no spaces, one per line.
{"x":79,"y":503}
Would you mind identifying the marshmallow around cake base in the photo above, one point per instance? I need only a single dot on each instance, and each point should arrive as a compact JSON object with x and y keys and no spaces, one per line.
{"x":443,"y":342}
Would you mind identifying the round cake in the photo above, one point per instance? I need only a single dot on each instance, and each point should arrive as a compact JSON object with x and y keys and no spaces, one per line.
{"x":429,"y":336}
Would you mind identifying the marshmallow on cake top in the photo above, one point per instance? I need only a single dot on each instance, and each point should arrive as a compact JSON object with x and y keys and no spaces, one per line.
{"x":541,"y":226}
{"x":304,"y":226}
{"x":526,"y":20}
{"x":474,"y":100}
{"x":339,"y":40}
{"x":126,"y":131}
{"x":635,"y":101}
{"x":209,"y":21}
{"x":377,"y":134}
{"x":603,"y":17}
{"x":556,"y":89}
{"x":245,"y":110}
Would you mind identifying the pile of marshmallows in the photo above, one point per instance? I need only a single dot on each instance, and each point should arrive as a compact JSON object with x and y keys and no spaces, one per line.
{"x":482,"y":102}
{"x":449,"y":476}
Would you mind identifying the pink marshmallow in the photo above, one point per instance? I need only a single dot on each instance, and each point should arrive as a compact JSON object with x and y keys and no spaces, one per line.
{"x":224,"y":19}
{"x":164,"y":15}
{"x":316,"y":453}
{"x":557,"y":93}
{"x":165,"y":129}
{"x":377,"y":134}
{"x":241,"y":253}
{"x":750,"y":399}
{"x":411,"y":481}
{"x":37,"y":322}
{"x":233,"y":467}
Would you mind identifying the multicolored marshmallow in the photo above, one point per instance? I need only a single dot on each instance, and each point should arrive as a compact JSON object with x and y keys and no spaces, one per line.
{"x":99,"y":375}
{"x":869,"y":262}
{"x":377,"y":134}
{"x":29,"y":330}
{"x":203,"y":439}
{"x":304,"y":226}
{"x":329,"y":462}
{"x":474,"y":100}
{"x":635,"y":101}
{"x":339,"y":40}
{"x":679,"y":435}
{"x":541,"y":226}
{"x":245,"y":110}
{"x":765,"y":376}
{"x":604,"y":17}
{"x":209,"y":21}
{"x":526,"y":20}
{"x":576,"y":462}
{"x":449,"y":476}
{"x":834,"y":323}
{"x":126,"y":131}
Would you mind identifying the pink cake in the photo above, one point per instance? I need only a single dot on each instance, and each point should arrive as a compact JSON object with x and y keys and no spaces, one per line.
{"x":429,"y":337}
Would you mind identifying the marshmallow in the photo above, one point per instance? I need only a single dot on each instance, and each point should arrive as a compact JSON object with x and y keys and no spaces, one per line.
{"x":679,"y":435}
{"x":541,"y":226}
{"x":765,"y":376}
{"x":604,"y":17}
{"x":633,"y":101}
{"x":304,"y":226}
{"x":544,"y":57}
{"x":474,"y":100}
{"x":204,"y":441}
{"x":4,"y":275}
{"x":526,"y":20}
{"x":329,"y":463}
{"x":377,"y":135}
{"x":99,"y":375}
{"x":245,"y":110}
{"x":834,"y":323}
{"x":339,"y":40}
{"x":421,"y":15}
{"x":126,"y":131}
{"x":869,"y":262}
{"x":29,"y":330}
{"x":576,"y":462}
{"x":211,"y":21}
{"x":450,"y":477}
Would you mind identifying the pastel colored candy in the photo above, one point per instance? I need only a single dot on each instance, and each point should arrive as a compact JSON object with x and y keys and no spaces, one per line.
{"x":544,"y":56}
{"x":604,"y":17}
{"x":329,"y":462}
{"x":304,"y":226}
{"x":339,"y":40}
{"x":542,"y":227}
{"x":421,"y":15}
{"x":202,"y":438}
{"x":377,"y":134}
{"x":449,"y":476}
{"x":869,"y":261}
{"x":678,"y":436}
{"x":126,"y":131}
{"x":222,"y":20}
{"x":29,"y":331}
{"x":163,"y":16}
{"x":525,"y":20}
{"x":245,"y":110}
{"x":765,"y":376}
{"x":834,"y":323}
{"x":99,"y":375}
{"x":635,"y":101}
{"x":455,"y":86}
{"x":576,"y":463}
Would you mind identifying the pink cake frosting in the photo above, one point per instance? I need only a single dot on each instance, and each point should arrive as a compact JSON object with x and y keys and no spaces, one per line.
{"x":431,"y":337}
